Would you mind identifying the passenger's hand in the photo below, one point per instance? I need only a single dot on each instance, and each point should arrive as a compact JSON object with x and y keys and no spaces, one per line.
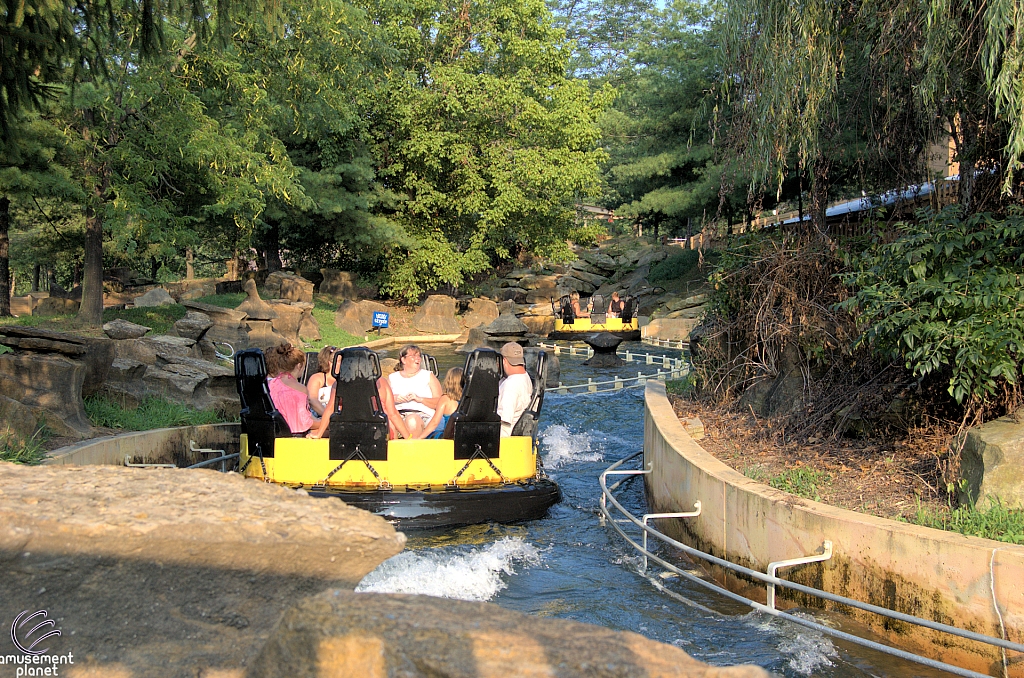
{"x":313,"y":435}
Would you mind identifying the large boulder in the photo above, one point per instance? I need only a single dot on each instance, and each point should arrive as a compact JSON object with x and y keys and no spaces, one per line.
{"x":541,"y":325}
{"x":95,"y":354}
{"x":49,"y":387}
{"x":281,"y":285}
{"x":375,"y":635}
{"x":437,"y":316}
{"x":670,"y":328}
{"x":538,"y":282}
{"x":157,"y":296}
{"x":229,"y":327}
{"x":338,"y":284}
{"x":254,"y":307}
{"x":505,"y":325}
{"x":120,"y":328}
{"x":56,"y":306}
{"x":193,"y":326}
{"x":991,"y":463}
{"x":481,"y":312}
{"x":356,"y":317}
{"x":295,"y":321}
{"x":169,"y":573}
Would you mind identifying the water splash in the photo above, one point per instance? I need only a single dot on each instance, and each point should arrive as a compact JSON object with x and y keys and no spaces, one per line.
{"x":805,"y":651}
{"x":465,"y":574}
{"x":564,"y":447}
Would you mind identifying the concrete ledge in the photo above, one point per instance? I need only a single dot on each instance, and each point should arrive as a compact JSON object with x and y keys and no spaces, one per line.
{"x":942,"y":576}
{"x":385,"y":342}
{"x":159,"y":446}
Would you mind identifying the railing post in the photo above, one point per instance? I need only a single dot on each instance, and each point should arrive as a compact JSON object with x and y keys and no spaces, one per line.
{"x":590,"y":385}
{"x":561,"y":389}
{"x":618,"y":383}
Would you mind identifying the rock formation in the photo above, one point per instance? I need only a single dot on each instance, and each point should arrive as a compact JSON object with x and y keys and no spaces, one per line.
{"x":338,"y":284}
{"x":46,"y":376}
{"x":259,"y":316}
{"x":288,"y":286}
{"x":356,"y":317}
{"x":991,"y":463}
{"x":228,"y":327}
{"x":437,"y":316}
{"x":122,"y":329}
{"x":157,"y":296}
{"x":340,"y":633}
{"x":480,"y":312}
{"x":169,"y":573}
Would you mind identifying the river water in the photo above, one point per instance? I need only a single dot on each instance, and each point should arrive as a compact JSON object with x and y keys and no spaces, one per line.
{"x":567,"y":565}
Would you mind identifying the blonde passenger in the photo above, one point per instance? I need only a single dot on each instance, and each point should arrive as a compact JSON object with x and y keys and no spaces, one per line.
{"x":577,"y":311}
{"x":451,"y":389}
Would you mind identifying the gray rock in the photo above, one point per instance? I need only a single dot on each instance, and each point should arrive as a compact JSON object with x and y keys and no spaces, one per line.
{"x":592,"y":278}
{"x":651,"y":257}
{"x":481,"y":312}
{"x":145,"y":350}
{"x":227,"y":555}
{"x":282,"y":285}
{"x":338,"y":284}
{"x":538,"y":282}
{"x":547,"y":294}
{"x":228,"y":327}
{"x":373,"y":634}
{"x":289,"y":319}
{"x":123,"y":329}
{"x":253,"y":307}
{"x":506,"y":324}
{"x":601,"y":261}
{"x":49,"y":386}
{"x":56,"y":306}
{"x":540,"y":325}
{"x":356,"y":317}
{"x":516,"y":294}
{"x":193,"y":325}
{"x":437,"y":316}
{"x":674,"y":328}
{"x":991,"y":463}
{"x":157,"y":296}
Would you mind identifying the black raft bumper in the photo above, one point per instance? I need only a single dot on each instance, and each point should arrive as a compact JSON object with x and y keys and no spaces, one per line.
{"x":438,"y":508}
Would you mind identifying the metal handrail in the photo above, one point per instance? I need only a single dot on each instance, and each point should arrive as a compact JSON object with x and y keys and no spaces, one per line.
{"x":607,"y":496}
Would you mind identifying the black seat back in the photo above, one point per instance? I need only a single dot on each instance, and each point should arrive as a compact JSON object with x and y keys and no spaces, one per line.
{"x":628,"y":309}
{"x":428,"y":362}
{"x":312,"y":366}
{"x":599,"y":310}
{"x":358,"y":420}
{"x":261,"y":422}
{"x":537,"y":368}
{"x":566,"y":312}
{"x":476,"y":421}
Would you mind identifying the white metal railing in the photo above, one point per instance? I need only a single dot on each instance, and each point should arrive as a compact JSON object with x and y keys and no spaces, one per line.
{"x":669,"y":368}
{"x":769,"y":579}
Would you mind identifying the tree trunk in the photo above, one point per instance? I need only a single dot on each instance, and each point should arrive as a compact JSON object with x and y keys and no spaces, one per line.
{"x":190,"y":257}
{"x":35,"y":277}
{"x":5,"y":262}
{"x":91,"y":310}
{"x":819,"y":194}
{"x":272,"y":257}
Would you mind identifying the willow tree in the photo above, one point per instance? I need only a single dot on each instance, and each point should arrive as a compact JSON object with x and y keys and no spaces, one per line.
{"x":894,"y":72}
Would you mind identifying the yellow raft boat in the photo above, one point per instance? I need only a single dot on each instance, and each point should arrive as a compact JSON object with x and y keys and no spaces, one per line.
{"x":470,"y":475}
{"x":568,"y":327}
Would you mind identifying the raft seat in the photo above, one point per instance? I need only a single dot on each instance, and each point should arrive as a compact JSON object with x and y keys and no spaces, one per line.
{"x":359,"y":426}
{"x":261,"y":422}
{"x":628,"y":309}
{"x":598,"y":310}
{"x":475,"y":426}
{"x":527,"y":424}
{"x":567,"y":314}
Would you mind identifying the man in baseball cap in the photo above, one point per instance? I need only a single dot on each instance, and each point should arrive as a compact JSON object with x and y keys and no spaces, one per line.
{"x":515,"y":390}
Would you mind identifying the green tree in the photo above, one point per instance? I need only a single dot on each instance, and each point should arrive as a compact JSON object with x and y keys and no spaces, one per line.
{"x":486,"y":140}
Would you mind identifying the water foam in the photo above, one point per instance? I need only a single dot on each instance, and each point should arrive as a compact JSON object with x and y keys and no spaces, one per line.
{"x":564,"y":447}
{"x":807,"y":650}
{"x":465,"y":574}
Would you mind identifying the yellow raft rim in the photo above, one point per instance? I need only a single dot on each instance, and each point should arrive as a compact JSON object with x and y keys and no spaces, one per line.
{"x":301,"y":462}
{"x":581,"y":327}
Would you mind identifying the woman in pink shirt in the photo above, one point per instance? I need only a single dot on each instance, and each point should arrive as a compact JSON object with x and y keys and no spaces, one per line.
{"x":285,"y":364}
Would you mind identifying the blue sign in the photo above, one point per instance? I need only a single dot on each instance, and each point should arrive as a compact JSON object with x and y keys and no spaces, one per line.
{"x":380,"y":319}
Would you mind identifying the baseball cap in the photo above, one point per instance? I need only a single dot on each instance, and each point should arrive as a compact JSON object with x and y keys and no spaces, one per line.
{"x":513,"y":353}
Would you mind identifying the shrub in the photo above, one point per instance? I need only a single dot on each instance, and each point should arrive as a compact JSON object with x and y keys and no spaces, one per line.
{"x":14,"y":448}
{"x":676,"y":266}
{"x":997,"y":522}
{"x":946,"y":297}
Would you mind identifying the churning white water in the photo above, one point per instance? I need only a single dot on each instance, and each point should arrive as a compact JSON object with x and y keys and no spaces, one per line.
{"x":563,"y":447}
{"x":467,"y":573}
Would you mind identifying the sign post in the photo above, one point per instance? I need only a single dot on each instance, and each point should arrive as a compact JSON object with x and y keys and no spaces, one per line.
{"x":380,"y":320}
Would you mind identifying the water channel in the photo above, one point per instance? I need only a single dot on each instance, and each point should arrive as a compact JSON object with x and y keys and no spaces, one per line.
{"x":569,"y":566}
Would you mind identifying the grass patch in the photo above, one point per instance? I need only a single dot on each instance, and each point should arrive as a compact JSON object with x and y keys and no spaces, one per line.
{"x":18,"y":450}
{"x":150,"y":414}
{"x":676,"y":266}
{"x":680,"y":387}
{"x":803,"y":481}
{"x":160,"y":319}
{"x":997,"y":522}
{"x":231,"y":300}
{"x":323,"y":312}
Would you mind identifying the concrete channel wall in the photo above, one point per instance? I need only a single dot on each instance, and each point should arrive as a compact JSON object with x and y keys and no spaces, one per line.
{"x":940,"y":576}
{"x":159,"y":446}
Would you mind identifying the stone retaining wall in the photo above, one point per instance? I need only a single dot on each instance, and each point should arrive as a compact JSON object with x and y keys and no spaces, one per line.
{"x":928,"y":573}
{"x":159,"y":446}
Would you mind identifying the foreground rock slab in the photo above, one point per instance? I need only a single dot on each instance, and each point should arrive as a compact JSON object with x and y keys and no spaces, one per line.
{"x":991,"y":463}
{"x":373,"y":635}
{"x":169,"y":572}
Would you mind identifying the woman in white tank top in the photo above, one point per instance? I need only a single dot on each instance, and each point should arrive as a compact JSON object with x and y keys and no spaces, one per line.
{"x":417,"y":391}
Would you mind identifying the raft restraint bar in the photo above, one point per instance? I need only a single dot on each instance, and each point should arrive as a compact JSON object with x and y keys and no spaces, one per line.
{"x":607,"y":495}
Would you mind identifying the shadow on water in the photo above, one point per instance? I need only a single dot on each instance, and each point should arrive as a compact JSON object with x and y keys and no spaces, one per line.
{"x":568,"y":566}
